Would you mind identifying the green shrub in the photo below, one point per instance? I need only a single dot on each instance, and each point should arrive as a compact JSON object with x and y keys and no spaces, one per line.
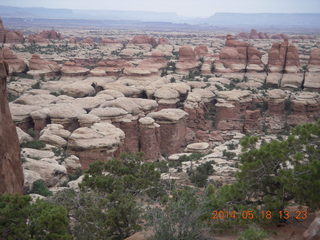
{"x":229,"y":155}
{"x":253,"y":233}
{"x":31,"y":132}
{"x":39,"y":187}
{"x":199,"y":176}
{"x":36,"y":85}
{"x":19,"y":219}
{"x":75,"y":175}
{"x":37,"y":144}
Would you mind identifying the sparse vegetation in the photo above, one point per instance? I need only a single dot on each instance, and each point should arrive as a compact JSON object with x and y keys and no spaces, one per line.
{"x":36,"y":144}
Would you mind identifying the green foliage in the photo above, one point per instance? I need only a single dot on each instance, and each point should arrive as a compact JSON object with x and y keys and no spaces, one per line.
{"x":31,"y":132}
{"x":199,"y":176}
{"x":75,"y":175}
{"x":253,"y":233}
{"x":22,"y":75}
{"x":128,"y":174}
{"x":19,"y":219}
{"x":36,"y":85}
{"x":271,"y":176}
{"x":39,"y":187}
{"x":179,"y":219}
{"x":11,"y":97}
{"x":229,"y":155}
{"x":48,"y":221}
{"x":172,"y":80}
{"x":37,"y":144}
{"x":106,"y":207}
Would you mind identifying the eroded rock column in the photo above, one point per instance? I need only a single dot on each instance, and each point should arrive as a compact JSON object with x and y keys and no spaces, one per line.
{"x":11,"y":175}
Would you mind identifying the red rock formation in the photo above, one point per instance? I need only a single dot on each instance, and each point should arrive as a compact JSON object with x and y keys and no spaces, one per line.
{"x":106,"y":41}
{"x":163,"y":41}
{"x":88,"y":40}
{"x":51,"y":35}
{"x":172,"y":129}
{"x":11,"y":175}
{"x":144,"y":39}
{"x":315,"y":57}
{"x":283,"y":57}
{"x":201,"y":51}
{"x":15,"y":64}
{"x":36,"y":63}
{"x":187,"y":60}
{"x":253,"y":121}
{"x":238,"y":56}
{"x":149,"y":139}
{"x":14,"y":37}
{"x":131,"y":131}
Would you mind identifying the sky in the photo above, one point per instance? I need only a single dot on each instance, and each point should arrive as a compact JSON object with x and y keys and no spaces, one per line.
{"x":190,"y":8}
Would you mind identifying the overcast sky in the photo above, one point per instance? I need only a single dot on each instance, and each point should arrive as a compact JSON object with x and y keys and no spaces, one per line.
{"x":200,"y":8}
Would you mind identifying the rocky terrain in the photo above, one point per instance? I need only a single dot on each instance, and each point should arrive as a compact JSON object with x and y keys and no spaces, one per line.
{"x":81,"y":96}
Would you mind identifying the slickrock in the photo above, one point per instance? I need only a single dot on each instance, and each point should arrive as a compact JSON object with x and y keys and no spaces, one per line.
{"x":66,"y":114}
{"x":110,"y":114}
{"x":72,"y":164}
{"x":21,"y":115}
{"x":201,"y":147}
{"x":45,"y":164}
{"x":172,"y":129}
{"x":133,"y":106}
{"x":100,"y":141}
{"x":55,"y":134}
{"x":16,"y":65}
{"x":292,"y":81}
{"x":87,"y":120}
{"x":11,"y":175}
{"x":23,"y":136}
{"x":78,"y":89}
{"x":305,"y":107}
{"x":312,"y":81}
{"x":276,"y":113}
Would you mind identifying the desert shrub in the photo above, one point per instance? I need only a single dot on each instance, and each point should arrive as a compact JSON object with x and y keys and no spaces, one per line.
{"x":179,"y":219}
{"x":229,"y":155}
{"x":23,"y":220}
{"x":199,"y":176}
{"x":11,"y":97}
{"x":36,"y":144}
{"x":36,"y":85}
{"x":39,"y":187}
{"x":31,"y":132}
{"x":75,"y":175}
{"x":265,"y":178}
{"x":253,"y":233}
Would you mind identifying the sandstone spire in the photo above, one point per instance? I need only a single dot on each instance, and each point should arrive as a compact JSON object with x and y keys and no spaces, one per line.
{"x":11,"y":175}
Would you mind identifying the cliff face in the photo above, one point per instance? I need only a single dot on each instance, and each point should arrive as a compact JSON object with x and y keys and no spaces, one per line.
{"x":11,"y":175}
